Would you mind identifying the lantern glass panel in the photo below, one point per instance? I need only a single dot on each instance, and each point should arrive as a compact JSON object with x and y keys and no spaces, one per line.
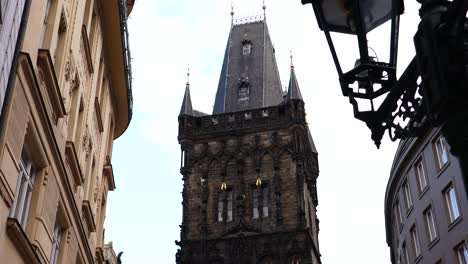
{"x":341,"y":15}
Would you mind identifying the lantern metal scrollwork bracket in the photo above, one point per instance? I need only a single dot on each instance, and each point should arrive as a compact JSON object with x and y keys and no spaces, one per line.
{"x":401,"y":113}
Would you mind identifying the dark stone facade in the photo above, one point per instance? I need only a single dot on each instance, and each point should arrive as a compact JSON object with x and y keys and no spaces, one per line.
{"x":237,"y":149}
{"x":250,"y":169}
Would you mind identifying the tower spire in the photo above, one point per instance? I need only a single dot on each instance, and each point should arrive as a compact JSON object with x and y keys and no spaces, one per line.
{"x":293,"y":90}
{"x":186,"y":108}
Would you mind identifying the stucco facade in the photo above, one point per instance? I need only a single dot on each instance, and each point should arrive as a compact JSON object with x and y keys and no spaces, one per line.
{"x":70,"y":98}
{"x":426,"y":205}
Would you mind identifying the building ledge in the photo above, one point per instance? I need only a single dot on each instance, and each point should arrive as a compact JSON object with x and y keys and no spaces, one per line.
{"x":99,"y":255}
{"x":49,"y":79}
{"x":109,"y":173}
{"x":21,"y":241}
{"x":72,"y":160}
{"x":88,"y":216}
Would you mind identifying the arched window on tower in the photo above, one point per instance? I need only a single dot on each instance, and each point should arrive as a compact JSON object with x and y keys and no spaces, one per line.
{"x":246,"y":47}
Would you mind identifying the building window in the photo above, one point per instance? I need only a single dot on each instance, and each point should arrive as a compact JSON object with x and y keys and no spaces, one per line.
{"x":44,"y":24}
{"x":441,"y":151}
{"x":407,"y":195}
{"x":24,"y":189}
{"x":260,"y":193}
{"x":266,"y":201}
{"x":462,"y":254}
{"x":452,"y":205}
{"x":246,"y":48}
{"x":405,"y":254}
{"x":229,"y":205}
{"x":415,"y":239}
{"x":220,"y":206}
{"x":397,"y":215}
{"x":56,"y":244}
{"x":255,"y":203}
{"x":421,"y":175}
{"x":430,"y":224}
{"x":225,"y":205}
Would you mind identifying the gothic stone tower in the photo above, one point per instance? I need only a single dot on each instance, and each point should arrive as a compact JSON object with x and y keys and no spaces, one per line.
{"x":250,"y":168}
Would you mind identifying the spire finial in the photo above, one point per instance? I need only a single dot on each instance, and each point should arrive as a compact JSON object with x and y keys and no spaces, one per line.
{"x":232,"y":13}
{"x":291,"y":57}
{"x":264,"y":10}
{"x":188,"y":75}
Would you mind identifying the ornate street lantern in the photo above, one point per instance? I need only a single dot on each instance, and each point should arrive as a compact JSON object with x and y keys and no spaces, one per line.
{"x":370,"y":78}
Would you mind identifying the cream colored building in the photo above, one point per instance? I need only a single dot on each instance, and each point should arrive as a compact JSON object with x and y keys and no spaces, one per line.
{"x":70,"y":98}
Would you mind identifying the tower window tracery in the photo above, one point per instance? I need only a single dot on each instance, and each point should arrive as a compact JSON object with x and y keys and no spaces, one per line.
{"x":246,"y":47}
{"x":244,"y":90}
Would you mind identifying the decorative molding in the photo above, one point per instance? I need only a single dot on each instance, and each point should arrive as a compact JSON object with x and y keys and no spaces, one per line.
{"x":73,"y":162}
{"x":109,"y":173}
{"x":49,"y":80}
{"x":21,"y":241}
{"x":88,"y":216}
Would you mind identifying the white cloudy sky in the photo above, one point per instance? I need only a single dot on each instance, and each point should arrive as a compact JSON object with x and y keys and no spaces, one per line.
{"x":145,"y":210}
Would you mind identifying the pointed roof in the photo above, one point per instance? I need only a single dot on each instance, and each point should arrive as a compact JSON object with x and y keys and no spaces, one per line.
{"x":253,"y":69}
{"x":186,"y":108}
{"x":293,"y":90}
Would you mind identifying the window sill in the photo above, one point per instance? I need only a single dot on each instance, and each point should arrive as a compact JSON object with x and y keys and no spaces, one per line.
{"x":21,"y":241}
{"x":424,"y":191}
{"x":99,"y":255}
{"x":443,"y":168}
{"x":454,"y":223}
{"x":50,"y":84}
{"x":108,"y":171}
{"x":72,"y":160}
{"x":433,"y":243}
{"x":409,"y":210}
{"x":88,"y":216}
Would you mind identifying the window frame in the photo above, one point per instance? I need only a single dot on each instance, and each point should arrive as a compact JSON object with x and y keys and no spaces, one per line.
{"x":225,"y":205}
{"x":416,"y":243}
{"x":246,"y":48}
{"x":420,"y":171}
{"x":450,"y":200}
{"x":56,"y":242}
{"x":220,"y":216}
{"x":441,"y":152}
{"x":255,"y":203}
{"x":265,"y":200}
{"x":461,"y":254}
{"x":23,"y":194}
{"x":229,"y":203}
{"x":406,"y":188}
{"x":432,"y":233}
{"x":405,"y":254}
{"x":398,"y":215}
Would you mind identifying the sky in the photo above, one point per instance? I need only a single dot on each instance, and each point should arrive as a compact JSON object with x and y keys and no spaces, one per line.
{"x":145,"y":211}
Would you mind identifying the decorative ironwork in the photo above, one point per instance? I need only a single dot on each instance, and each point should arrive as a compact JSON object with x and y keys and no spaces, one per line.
{"x":248,"y":20}
{"x":126,"y":55}
{"x":400,"y":114}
